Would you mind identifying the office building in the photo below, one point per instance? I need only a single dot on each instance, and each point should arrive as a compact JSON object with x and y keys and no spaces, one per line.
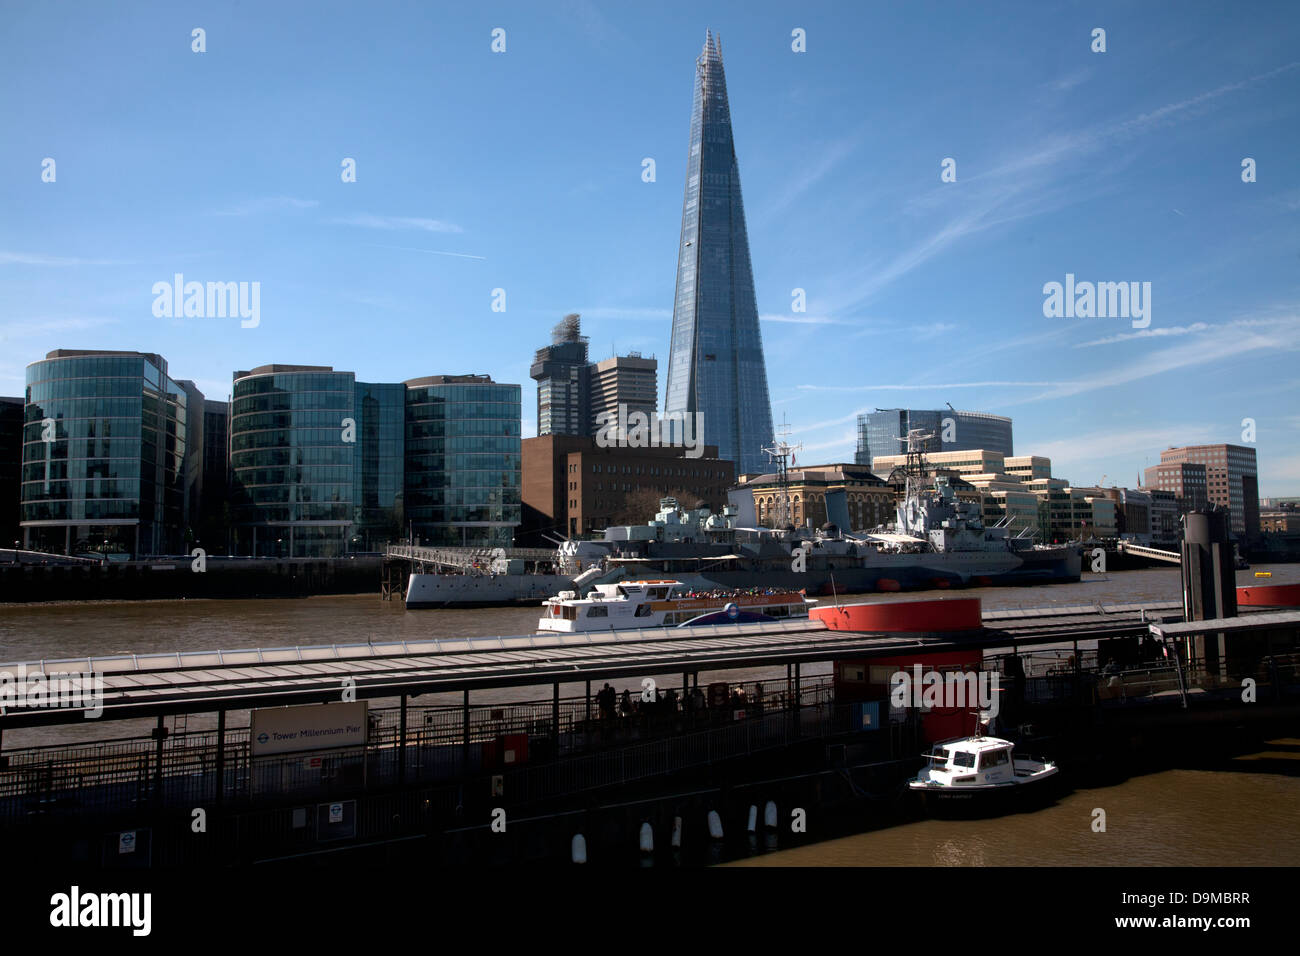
{"x":463,"y":460}
{"x":629,"y":380}
{"x":883,"y":432}
{"x":110,"y":455}
{"x":322,"y":464}
{"x":11,"y":469}
{"x":563,"y":377}
{"x":715,"y":364}
{"x":573,"y":487}
{"x":1225,"y":475}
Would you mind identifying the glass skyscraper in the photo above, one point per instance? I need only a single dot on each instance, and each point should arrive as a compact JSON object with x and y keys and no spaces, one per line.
{"x":323,"y":464}
{"x":884,"y":432}
{"x":111,"y":447}
{"x":715,"y":363}
{"x":463,"y":460}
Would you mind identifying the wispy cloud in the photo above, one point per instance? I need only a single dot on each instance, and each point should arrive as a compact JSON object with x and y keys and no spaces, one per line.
{"x":1083,"y":450}
{"x":431,"y":252}
{"x":257,"y":207}
{"x":911,"y":387}
{"x":1070,"y":80}
{"x":1025,"y":185}
{"x":1155,"y":333}
{"x":804,"y":319}
{"x":42,"y":326}
{"x":34,"y":259}
{"x":1232,"y":340}
{"x":369,"y":221}
{"x":618,"y":312}
{"x":800,"y":181}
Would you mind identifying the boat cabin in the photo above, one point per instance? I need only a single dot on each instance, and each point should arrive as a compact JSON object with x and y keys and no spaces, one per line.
{"x":972,"y":760}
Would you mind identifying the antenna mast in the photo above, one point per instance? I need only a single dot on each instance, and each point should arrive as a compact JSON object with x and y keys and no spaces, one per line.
{"x":780,"y":451}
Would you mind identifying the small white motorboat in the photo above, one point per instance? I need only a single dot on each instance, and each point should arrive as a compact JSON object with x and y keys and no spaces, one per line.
{"x":979,"y":770}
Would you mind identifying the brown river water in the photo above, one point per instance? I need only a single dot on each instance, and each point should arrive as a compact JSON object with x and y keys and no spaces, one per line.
{"x":1151,"y":819}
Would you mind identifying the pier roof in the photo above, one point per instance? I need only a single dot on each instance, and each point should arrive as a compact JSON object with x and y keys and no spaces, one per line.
{"x":153,"y":685}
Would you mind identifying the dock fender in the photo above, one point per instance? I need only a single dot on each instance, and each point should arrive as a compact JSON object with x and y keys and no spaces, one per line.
{"x":578,"y":850}
{"x":646,"y":841}
{"x":769,"y":815}
{"x":715,"y":825}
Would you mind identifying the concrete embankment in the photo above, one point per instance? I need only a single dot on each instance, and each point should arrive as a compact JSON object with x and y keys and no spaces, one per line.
{"x":177,"y":578}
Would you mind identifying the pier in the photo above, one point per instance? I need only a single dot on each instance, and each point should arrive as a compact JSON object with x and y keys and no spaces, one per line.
{"x":440,"y":752}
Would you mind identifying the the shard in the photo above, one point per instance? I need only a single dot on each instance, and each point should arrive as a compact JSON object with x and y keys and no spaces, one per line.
{"x":715,"y":364}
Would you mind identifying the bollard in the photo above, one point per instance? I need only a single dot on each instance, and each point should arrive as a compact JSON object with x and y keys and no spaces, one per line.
{"x":752,"y":825}
{"x":715,"y":825}
{"x":769,"y":815}
{"x":579,"y":848}
{"x":677,"y":833}
{"x":647,"y":840}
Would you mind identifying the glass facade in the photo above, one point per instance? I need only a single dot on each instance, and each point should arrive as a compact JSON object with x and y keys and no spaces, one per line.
{"x":462,"y":461}
{"x":884,"y":432}
{"x":108,"y":460}
{"x":715,"y":363}
{"x":379,"y":466}
{"x":324,"y":465}
{"x":291,"y":462}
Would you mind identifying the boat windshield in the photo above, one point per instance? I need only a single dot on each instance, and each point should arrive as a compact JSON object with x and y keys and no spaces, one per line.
{"x":963,"y":759}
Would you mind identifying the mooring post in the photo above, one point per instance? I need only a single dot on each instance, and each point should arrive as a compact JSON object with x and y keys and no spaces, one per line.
{"x":464,"y":748}
{"x":401,"y":744}
{"x":587,"y":718}
{"x":221,"y":756}
{"x":160,"y":734}
{"x":555,"y":719}
{"x":798,"y":699}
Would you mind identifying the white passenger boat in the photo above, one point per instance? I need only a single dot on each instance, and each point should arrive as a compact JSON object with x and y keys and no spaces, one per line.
{"x":979,"y":770}
{"x":665,"y":603}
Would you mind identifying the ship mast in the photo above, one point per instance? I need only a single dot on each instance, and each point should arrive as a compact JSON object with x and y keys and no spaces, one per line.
{"x":780,"y":451}
{"x":914,"y":470}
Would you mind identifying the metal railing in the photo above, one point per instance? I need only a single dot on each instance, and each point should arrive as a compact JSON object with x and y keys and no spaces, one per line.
{"x":439,"y":744}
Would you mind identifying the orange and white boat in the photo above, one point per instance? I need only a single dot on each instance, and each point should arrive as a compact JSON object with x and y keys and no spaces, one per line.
{"x":666,"y":603}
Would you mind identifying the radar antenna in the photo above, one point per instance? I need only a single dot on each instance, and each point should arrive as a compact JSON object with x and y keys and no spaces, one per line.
{"x":780,"y":451}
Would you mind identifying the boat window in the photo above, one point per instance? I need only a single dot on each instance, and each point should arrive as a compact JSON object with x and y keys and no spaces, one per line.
{"x":994,"y":758}
{"x":658,"y":593}
{"x":644,"y":611}
{"x":570,"y":613}
{"x":963,"y":759}
{"x":598,"y":612}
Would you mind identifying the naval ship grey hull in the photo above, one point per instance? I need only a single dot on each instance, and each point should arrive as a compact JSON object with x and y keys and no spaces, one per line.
{"x":874,"y":573}
{"x":424,"y":591}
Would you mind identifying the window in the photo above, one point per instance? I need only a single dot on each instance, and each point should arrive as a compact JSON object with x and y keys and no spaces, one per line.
{"x":959,"y":758}
{"x":598,"y":611}
{"x":994,"y":758}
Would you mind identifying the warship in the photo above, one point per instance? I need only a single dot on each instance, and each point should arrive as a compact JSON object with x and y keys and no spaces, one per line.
{"x":937,"y":541}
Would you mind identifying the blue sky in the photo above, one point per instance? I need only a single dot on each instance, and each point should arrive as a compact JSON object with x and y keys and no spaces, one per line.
{"x":522,"y":170}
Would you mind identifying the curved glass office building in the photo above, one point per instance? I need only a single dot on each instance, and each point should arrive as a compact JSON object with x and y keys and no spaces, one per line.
{"x":110,"y":445}
{"x":324,"y":465}
{"x":884,"y":432}
{"x":462,"y":460}
{"x":291,"y":462}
